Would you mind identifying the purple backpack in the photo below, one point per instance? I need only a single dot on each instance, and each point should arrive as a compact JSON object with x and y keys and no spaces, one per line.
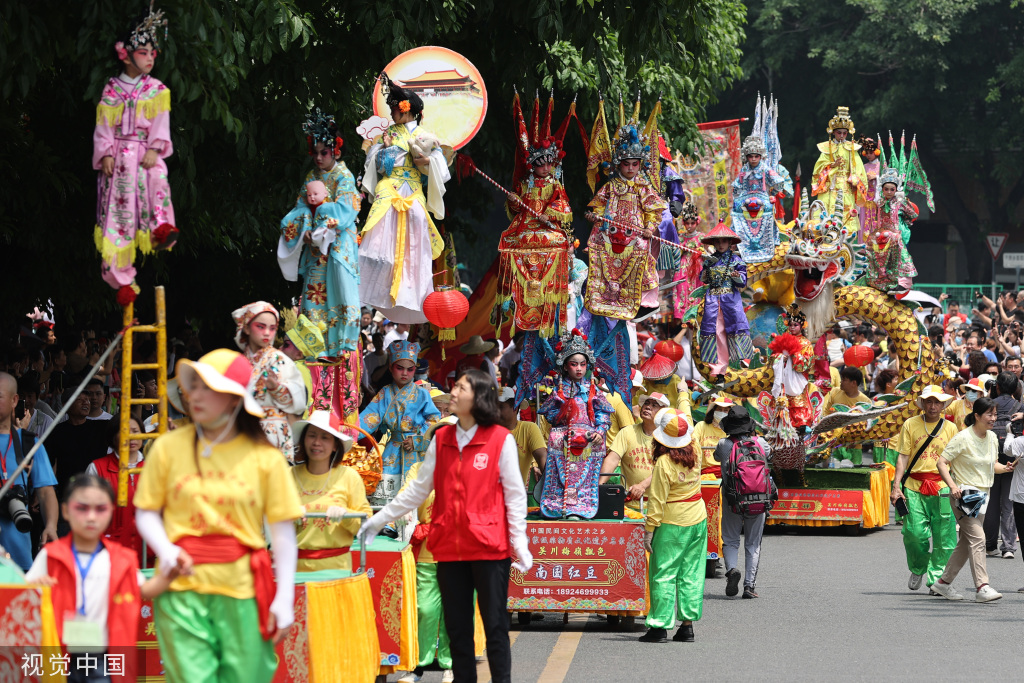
{"x":752,"y":491}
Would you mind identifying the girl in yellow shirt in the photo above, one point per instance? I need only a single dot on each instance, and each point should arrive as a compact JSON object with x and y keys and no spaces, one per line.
{"x":325,"y":485}
{"x":708,"y":433}
{"x":676,"y":531}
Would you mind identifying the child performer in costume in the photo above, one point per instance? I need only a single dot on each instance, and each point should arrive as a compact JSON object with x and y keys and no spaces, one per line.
{"x":869,"y":152}
{"x":676,"y":531}
{"x":131,"y":141}
{"x":404,"y":411}
{"x":276,"y":383}
{"x":326,"y":485}
{"x":688,"y":275}
{"x":579,"y":416}
{"x":839,"y":167}
{"x":303,"y":344}
{"x":106,"y":608}
{"x":536,"y":253}
{"x":753,"y":211}
{"x":724,"y":330}
{"x":478,"y":522}
{"x":318,"y":239}
{"x":793,"y":366}
{"x":405,"y":174}
{"x":890,"y":267}
{"x":201,"y":506}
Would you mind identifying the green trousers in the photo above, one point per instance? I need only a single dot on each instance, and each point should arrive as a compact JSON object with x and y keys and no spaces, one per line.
{"x":883,"y":454}
{"x":433,"y":636}
{"x":211,"y":639}
{"x":676,"y":574}
{"x":930,"y":520}
{"x":855,"y":454}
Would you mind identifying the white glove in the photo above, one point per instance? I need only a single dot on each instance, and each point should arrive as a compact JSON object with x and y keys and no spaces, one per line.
{"x":524,"y":557}
{"x":370,"y":528}
{"x":648,"y":537}
{"x":150,"y":524}
{"x":283,"y":543}
{"x":335,"y":513}
{"x":283,"y":606}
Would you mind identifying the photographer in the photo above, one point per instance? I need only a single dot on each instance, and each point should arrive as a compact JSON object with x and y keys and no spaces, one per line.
{"x":1000,"y":529}
{"x":15,"y":522}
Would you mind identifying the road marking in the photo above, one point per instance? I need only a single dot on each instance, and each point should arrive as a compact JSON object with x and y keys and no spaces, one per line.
{"x":483,"y":669}
{"x":561,"y":657}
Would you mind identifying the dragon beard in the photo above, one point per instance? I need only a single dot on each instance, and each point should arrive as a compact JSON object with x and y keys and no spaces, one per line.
{"x":820,"y":312}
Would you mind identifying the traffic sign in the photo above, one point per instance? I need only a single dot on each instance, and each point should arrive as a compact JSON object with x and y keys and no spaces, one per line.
{"x":996,"y":241}
{"x":1014,"y":259}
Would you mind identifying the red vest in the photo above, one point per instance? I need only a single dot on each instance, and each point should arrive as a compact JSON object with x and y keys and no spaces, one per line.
{"x":468,"y":519}
{"x":122,"y":524}
{"x":125,"y":601}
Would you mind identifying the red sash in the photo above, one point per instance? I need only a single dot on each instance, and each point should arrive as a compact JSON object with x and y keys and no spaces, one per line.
{"x":322,"y":553}
{"x":419,"y":535}
{"x":692,"y":499}
{"x":931,"y":483}
{"x":218,"y":549}
{"x":714,"y":469}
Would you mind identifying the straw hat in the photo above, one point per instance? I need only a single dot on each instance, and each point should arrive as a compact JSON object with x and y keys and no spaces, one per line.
{"x":933,"y":391}
{"x":476,"y":345}
{"x":672,"y":429}
{"x":657,"y":368}
{"x":225,"y":371}
{"x":721,"y":230}
{"x":325,"y":420}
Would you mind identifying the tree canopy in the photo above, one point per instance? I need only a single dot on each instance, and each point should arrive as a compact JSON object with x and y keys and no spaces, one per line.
{"x":243,"y":74}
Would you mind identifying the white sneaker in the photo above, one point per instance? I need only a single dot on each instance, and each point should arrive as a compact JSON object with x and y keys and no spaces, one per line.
{"x":915,"y":581}
{"x":993,"y":553}
{"x":947,"y":591}
{"x":846,"y":464}
{"x":410,"y":677}
{"x":1007,"y":555}
{"x":448,"y":676}
{"x":987,"y":594}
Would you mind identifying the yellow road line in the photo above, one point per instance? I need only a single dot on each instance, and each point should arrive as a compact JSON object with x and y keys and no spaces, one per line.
{"x":561,"y":656}
{"x":483,"y":670}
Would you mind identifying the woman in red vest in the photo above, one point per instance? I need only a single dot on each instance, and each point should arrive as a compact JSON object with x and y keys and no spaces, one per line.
{"x":478,"y":522}
{"x":122,"y":524}
{"x":106,"y":608}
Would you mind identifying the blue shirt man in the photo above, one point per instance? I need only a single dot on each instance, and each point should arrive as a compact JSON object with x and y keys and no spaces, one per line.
{"x":19,"y":544}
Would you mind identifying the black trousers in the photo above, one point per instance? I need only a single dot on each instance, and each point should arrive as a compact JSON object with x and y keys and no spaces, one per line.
{"x":999,"y":522}
{"x":489,"y":578}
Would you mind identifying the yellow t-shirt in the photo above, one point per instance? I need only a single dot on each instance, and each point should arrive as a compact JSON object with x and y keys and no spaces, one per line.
{"x":912,"y":435}
{"x":838,"y":397}
{"x":528,"y":439}
{"x":671,"y":484}
{"x":680,"y":400}
{"x":972,"y":460}
{"x":706,"y":437}
{"x":239,"y":484}
{"x":957,"y":410}
{"x":634,"y":447}
{"x":341,"y":486}
{"x":622,"y":417}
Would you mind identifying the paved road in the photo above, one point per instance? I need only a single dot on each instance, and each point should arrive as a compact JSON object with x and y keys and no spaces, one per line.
{"x":832,"y":607}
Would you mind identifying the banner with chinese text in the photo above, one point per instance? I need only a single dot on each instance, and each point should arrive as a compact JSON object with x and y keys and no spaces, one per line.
{"x":819,"y":504}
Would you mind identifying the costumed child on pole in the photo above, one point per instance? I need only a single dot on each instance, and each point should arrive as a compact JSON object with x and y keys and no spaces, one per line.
{"x":403,"y":410}
{"x":318,"y":239}
{"x":101,"y":617}
{"x":839,"y":170}
{"x":724,"y":330}
{"x":405,"y":173}
{"x":131,"y":140}
{"x":890,"y":268}
{"x":687,"y":276}
{"x":202,"y":504}
{"x":579,"y":415}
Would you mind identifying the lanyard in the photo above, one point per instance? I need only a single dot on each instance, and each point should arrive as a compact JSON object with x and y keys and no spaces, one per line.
{"x":3,"y":460}
{"x":84,"y":571}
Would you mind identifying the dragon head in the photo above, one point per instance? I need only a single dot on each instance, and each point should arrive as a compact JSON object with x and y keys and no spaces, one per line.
{"x":823,"y":251}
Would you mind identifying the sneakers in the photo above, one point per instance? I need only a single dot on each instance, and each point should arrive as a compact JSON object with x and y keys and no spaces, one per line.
{"x":411,"y":677}
{"x":654,"y":635}
{"x":987,"y":594}
{"x":915,"y":581}
{"x":846,"y":464}
{"x":732,"y":585}
{"x":448,"y":676}
{"x":1008,"y":555}
{"x":684,"y":634}
{"x":993,"y":553}
{"x":748,"y":593}
{"x":947,"y":591}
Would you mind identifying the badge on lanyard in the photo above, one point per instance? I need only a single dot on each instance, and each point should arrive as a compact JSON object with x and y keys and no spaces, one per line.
{"x":81,"y":634}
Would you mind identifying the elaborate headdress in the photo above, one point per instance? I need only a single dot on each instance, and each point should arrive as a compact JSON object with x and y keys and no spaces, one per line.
{"x":307,"y":337}
{"x":537,"y":142}
{"x":689,"y":212}
{"x":571,"y":344}
{"x":753,"y":145}
{"x":868,"y":148}
{"x":403,"y":350}
{"x":244,"y":315}
{"x":320,"y":127}
{"x":631,"y":142}
{"x":890,"y":175}
{"x":841,"y":120}
{"x":765,"y":131}
{"x":793,"y":313}
{"x":396,"y":96}
{"x":145,"y":32}
{"x":907,"y":167}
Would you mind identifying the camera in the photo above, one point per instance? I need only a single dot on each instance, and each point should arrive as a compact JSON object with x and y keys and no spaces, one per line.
{"x":15,"y":505}
{"x":1017,"y":427}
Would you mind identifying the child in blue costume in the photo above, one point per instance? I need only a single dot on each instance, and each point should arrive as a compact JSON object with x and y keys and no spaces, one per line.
{"x":724,"y":330}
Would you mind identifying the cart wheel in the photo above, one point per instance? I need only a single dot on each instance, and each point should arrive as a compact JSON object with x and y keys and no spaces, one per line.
{"x":613,"y":620}
{"x":853,"y":529}
{"x":710,"y":567}
{"x":524,"y":618}
{"x":628,"y":624}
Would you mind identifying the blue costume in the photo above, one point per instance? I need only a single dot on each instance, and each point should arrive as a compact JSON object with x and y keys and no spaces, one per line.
{"x":724,"y":330}
{"x":753,"y":213}
{"x":399,"y":413}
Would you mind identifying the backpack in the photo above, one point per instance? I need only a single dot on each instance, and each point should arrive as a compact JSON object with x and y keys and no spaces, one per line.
{"x":751,"y":491}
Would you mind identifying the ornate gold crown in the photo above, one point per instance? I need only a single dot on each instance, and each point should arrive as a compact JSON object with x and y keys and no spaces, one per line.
{"x":841,"y":120}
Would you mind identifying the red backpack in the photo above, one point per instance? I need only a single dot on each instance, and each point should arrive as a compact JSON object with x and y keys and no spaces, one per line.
{"x":751,"y":491}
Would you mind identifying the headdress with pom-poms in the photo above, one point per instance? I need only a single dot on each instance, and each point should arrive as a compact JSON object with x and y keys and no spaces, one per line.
{"x":320,"y":127}
{"x":630,"y":142}
{"x":868,"y":148}
{"x":571,"y":344}
{"x":689,"y":212}
{"x":537,"y":142}
{"x":794,"y":313}
{"x":146,"y":32}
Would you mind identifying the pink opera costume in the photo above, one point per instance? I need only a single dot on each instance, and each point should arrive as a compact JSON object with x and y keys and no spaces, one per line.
{"x":318,"y":239}
{"x":687,"y":277}
{"x":579,"y":415}
{"x":130,"y":142}
{"x":405,"y":173}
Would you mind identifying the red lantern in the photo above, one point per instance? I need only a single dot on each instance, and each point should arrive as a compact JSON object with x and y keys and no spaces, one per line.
{"x":858,"y":356}
{"x":670,"y":349}
{"x":445,"y":308}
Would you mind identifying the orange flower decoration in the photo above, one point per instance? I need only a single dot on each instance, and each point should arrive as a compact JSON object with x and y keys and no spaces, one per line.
{"x":404,"y":106}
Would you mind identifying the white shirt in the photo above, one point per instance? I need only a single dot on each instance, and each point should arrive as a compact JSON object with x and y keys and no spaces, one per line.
{"x":511,"y":480}
{"x":96,"y":588}
{"x":1013,"y":446}
{"x":394,"y":335}
{"x":104,"y":415}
